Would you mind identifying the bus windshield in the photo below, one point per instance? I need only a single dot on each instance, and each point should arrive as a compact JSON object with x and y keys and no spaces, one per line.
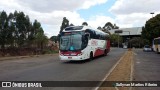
{"x":71,"y":42}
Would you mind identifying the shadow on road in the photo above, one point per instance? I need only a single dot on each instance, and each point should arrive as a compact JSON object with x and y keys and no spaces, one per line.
{"x":83,"y":61}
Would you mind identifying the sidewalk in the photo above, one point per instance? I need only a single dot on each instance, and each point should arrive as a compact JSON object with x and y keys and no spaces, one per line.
{"x":20,"y":57}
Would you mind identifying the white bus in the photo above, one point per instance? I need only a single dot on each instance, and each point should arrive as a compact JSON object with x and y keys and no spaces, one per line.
{"x":156,"y":45}
{"x":83,"y":42}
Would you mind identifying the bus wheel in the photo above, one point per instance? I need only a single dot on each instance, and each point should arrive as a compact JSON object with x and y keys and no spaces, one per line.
{"x":91,"y":56}
{"x":157,"y":51}
{"x":105,"y":52}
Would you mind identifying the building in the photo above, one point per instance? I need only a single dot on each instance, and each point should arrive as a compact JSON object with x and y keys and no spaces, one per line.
{"x":128,"y":33}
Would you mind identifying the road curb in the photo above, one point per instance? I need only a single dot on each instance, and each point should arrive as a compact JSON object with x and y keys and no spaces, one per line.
{"x":20,"y":57}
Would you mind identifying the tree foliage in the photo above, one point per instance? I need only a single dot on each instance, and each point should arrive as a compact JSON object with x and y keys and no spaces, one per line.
{"x":137,"y":42}
{"x":115,"y":26}
{"x":151,"y":29}
{"x":85,"y":24}
{"x":65,"y":23}
{"x":71,"y":24}
{"x":54,"y":38}
{"x":110,"y":26}
{"x":115,"y":38}
{"x":99,"y":28}
{"x":16,"y":30}
{"x":3,"y":29}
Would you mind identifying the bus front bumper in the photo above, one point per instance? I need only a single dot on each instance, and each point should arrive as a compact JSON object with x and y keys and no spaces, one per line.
{"x":74,"y":58}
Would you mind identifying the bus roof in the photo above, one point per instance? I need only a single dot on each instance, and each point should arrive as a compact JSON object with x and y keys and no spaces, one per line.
{"x":157,"y":38}
{"x":80,"y":28}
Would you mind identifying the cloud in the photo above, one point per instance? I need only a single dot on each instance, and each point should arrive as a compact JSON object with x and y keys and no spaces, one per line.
{"x":51,"y":22}
{"x":134,"y":6}
{"x":99,"y":20}
{"x":51,"y":30}
{"x":123,"y":21}
{"x":10,"y":6}
{"x":132,"y":20}
{"x":88,"y":3}
{"x":52,"y":5}
{"x":127,"y":13}
{"x":132,"y":13}
{"x":49,"y":12}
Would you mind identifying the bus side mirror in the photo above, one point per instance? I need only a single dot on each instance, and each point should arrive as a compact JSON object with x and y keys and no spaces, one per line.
{"x":59,"y":35}
{"x":87,"y":35}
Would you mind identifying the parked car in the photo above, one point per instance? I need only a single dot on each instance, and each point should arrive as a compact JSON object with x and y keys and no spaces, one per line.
{"x":147,"y":48}
{"x":125,"y":46}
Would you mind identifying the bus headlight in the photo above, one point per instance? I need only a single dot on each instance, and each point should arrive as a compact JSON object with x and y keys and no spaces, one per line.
{"x":61,"y":54}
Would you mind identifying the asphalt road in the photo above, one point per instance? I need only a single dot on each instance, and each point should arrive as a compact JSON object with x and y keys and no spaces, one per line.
{"x":146,"y":68}
{"x":50,"y":68}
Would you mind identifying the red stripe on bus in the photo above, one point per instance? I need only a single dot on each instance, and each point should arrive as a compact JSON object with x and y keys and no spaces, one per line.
{"x":70,"y":53}
{"x":98,"y":52}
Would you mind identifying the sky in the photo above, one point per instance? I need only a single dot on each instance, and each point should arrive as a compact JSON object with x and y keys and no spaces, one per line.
{"x":50,"y":13}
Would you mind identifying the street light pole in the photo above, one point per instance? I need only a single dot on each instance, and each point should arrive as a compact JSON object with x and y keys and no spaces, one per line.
{"x":118,"y":40}
{"x":152,"y":14}
{"x":129,"y":37}
{"x":121,"y":31}
{"x":118,"y":31}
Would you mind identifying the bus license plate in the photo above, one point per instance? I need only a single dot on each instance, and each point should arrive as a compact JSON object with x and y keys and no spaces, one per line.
{"x":69,"y":57}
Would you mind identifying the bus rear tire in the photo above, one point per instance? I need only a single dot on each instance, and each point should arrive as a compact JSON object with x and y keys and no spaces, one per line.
{"x":105,"y":52}
{"x":158,"y":51}
{"x":91,"y":56}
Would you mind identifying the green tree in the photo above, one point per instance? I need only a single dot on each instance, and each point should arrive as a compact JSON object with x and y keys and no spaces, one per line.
{"x":16,"y":30}
{"x":65,"y":23}
{"x":41,"y":39}
{"x":71,"y":24}
{"x":137,"y":42}
{"x":115,"y":26}
{"x":11,"y":30}
{"x":99,"y":28}
{"x":54,"y":38}
{"x":108,"y":26}
{"x":21,"y":28}
{"x":3,"y":29}
{"x":33,"y":30}
{"x":36,"y":27}
{"x":38,"y":35}
{"x":151,"y":29}
{"x":115,"y":38}
{"x":85,"y":24}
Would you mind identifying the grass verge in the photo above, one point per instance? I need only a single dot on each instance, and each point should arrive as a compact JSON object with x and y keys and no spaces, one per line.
{"x":122,"y":72}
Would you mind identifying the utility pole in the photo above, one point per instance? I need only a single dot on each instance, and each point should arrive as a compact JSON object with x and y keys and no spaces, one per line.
{"x":118,"y":31}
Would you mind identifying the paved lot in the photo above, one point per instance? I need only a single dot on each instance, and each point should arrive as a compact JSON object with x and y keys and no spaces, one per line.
{"x":147,"y":67}
{"x":49,"y":68}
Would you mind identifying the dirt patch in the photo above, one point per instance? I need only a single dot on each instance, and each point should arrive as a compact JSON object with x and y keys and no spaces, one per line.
{"x":122,"y":72}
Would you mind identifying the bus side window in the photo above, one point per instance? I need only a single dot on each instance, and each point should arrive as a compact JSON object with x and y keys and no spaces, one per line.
{"x":91,"y":32}
{"x":94,"y":34}
{"x":158,"y":41}
{"x":84,"y":41}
